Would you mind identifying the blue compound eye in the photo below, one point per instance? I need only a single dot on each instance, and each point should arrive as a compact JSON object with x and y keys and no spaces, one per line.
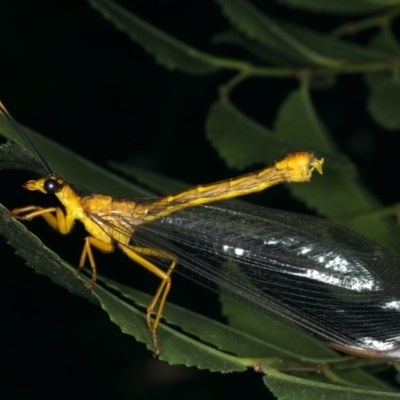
{"x":52,"y":185}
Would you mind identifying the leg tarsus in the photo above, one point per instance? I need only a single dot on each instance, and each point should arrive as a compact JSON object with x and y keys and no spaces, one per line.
{"x":134,"y":253}
{"x":87,"y":252}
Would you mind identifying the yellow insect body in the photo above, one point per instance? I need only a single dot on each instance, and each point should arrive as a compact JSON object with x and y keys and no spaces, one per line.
{"x":104,"y":218}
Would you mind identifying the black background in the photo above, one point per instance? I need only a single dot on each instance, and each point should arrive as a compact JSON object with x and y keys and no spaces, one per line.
{"x":68,"y":74}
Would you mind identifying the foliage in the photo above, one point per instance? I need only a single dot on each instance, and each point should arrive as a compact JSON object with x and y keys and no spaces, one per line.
{"x":313,"y":61}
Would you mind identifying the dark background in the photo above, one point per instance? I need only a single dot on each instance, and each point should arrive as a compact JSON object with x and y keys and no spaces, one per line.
{"x":68,"y":74}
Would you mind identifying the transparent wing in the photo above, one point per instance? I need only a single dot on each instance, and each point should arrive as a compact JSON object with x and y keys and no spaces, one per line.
{"x":306,"y":272}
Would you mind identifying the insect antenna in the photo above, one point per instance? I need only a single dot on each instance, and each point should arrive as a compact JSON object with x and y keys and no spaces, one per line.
{"x":24,"y":137}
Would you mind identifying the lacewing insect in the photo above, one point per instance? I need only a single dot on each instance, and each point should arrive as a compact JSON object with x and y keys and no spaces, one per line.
{"x":320,"y":278}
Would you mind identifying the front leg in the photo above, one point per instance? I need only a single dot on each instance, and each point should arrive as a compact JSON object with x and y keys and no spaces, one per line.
{"x":54,"y":216}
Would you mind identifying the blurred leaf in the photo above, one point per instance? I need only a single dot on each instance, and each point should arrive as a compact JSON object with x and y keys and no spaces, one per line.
{"x":383,"y":103}
{"x":270,"y":57}
{"x":386,"y":41}
{"x":298,"y":43}
{"x":333,"y":48}
{"x":336,"y":6}
{"x":323,"y":82}
{"x":168,"y":51}
{"x":258,"y":50}
{"x":383,"y":40}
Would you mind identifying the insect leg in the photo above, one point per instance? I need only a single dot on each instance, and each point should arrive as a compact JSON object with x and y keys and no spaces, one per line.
{"x":164,"y":287}
{"x":87,"y":252}
{"x":54,"y":216}
{"x":135,"y":254}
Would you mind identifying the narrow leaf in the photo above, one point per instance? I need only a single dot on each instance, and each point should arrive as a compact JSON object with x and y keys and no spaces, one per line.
{"x":168,"y":51}
{"x":383,"y":40}
{"x":176,"y":348}
{"x":383,"y":103}
{"x":289,"y":387}
{"x":335,"y":7}
{"x":298,"y":43}
{"x":333,"y":48}
{"x":218,"y":335}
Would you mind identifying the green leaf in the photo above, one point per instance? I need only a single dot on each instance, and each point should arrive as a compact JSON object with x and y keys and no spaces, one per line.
{"x":176,"y":348}
{"x":386,"y":41}
{"x":168,"y":51}
{"x":243,"y":341}
{"x":259,"y":50}
{"x":335,"y":7}
{"x":227,"y":129}
{"x":383,"y":40}
{"x":297,"y":120}
{"x":220,"y":336}
{"x":328,"y":46}
{"x":289,"y":387}
{"x":300,"y":44}
{"x":383,"y":103}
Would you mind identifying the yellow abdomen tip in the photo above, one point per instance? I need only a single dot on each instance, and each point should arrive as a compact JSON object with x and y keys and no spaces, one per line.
{"x":298,"y":167}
